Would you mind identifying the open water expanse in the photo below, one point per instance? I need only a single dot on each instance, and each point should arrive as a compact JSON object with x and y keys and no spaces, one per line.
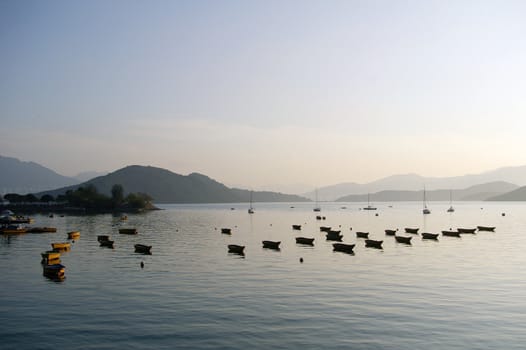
{"x":454,"y":293}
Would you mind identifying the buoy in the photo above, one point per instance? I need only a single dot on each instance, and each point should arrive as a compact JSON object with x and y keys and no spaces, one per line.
{"x":142,"y":265}
{"x":503,"y":214}
{"x":376,"y":214}
{"x":301,"y":260}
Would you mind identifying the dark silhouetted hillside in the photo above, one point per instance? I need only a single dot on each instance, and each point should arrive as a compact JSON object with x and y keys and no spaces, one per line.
{"x":165,"y":186}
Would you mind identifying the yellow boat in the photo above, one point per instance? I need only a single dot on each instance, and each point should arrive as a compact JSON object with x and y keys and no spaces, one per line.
{"x":61,"y":246}
{"x":73,"y":234}
{"x":50,"y":255}
{"x":13,"y":230}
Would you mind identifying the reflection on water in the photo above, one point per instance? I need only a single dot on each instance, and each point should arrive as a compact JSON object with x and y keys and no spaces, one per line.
{"x":454,"y":293}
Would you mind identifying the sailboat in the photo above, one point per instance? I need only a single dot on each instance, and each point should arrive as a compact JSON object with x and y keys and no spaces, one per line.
{"x":369,"y":206}
{"x":425,"y":210}
{"x":316,"y":206}
{"x":251,"y":209}
{"x":451,"y":209}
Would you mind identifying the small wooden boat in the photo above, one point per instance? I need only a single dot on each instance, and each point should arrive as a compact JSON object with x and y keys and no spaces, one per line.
{"x":451,"y":233}
{"x":342,"y":247}
{"x":296,"y":227}
{"x":304,"y":240}
{"x":362,"y":234}
{"x":226,"y":231}
{"x":466,"y":230}
{"x":73,"y":234}
{"x":271,"y":244}
{"x":61,"y":246}
{"x":103,"y":238}
{"x":55,"y":271}
{"x":50,"y":255}
{"x":390,"y":232}
{"x":373,"y":243}
{"x":325,"y":228}
{"x":13,"y":230}
{"x":42,"y":229}
{"x":486,"y":228}
{"x":128,"y":231}
{"x":411,"y":230}
{"x":106,"y":243}
{"x":427,"y":235}
{"x":403,"y":239}
{"x":318,"y":217}
{"x":237,"y":249}
{"x":333,"y":236}
{"x":334,"y":232}
{"x":142,"y":248}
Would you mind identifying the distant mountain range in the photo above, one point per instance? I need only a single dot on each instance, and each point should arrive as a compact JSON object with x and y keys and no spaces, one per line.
{"x":413,"y":182}
{"x":473,"y":193}
{"x":28,"y":177}
{"x":168,"y":187}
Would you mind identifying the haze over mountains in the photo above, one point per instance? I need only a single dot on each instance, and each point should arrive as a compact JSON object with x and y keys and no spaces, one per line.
{"x":21,"y":177}
{"x":474,"y":193}
{"x":168,"y":187}
{"x":413,"y":182}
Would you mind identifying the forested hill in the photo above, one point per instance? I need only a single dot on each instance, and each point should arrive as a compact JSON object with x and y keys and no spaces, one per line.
{"x":165,"y":186}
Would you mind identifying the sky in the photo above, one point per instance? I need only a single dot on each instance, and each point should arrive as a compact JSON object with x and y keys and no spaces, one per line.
{"x":265,"y":94}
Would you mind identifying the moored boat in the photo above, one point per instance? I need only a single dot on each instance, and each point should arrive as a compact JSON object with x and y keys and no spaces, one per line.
{"x":142,"y":248}
{"x":427,"y":235}
{"x":106,"y":243}
{"x":325,"y":228}
{"x":55,"y":271}
{"x":362,"y":234}
{"x":305,"y":240}
{"x":411,"y":230}
{"x":103,"y":238}
{"x":226,"y":230}
{"x":486,"y":228}
{"x":50,"y":255}
{"x":403,"y":239}
{"x":237,"y":249}
{"x":61,"y":246}
{"x":73,"y":234}
{"x":466,"y":230}
{"x":42,"y":229}
{"x":296,"y":227}
{"x":271,"y":244}
{"x":12,"y":229}
{"x":342,"y":247}
{"x":333,"y":236}
{"x":390,"y":232}
{"x":373,"y":243}
{"x":128,"y":231}
{"x":451,"y":233}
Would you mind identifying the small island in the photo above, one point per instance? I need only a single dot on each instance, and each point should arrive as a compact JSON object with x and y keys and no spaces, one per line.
{"x":84,"y":199}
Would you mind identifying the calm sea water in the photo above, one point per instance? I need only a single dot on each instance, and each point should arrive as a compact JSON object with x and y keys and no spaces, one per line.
{"x":456,"y":293}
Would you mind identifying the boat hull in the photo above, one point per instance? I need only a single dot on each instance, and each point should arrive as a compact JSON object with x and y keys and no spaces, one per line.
{"x":403,"y":239}
{"x":143,"y":249}
{"x":271,"y":244}
{"x":345,"y":248}
{"x":305,"y":240}
{"x":371,"y":243}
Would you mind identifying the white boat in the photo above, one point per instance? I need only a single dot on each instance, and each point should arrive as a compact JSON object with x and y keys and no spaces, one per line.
{"x":426,"y":209}
{"x":369,"y":206}
{"x":451,"y":209}
{"x":251,"y":209}
{"x":316,"y":206}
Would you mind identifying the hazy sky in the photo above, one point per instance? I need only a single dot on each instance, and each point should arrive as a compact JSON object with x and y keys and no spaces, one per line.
{"x":257,"y":93}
